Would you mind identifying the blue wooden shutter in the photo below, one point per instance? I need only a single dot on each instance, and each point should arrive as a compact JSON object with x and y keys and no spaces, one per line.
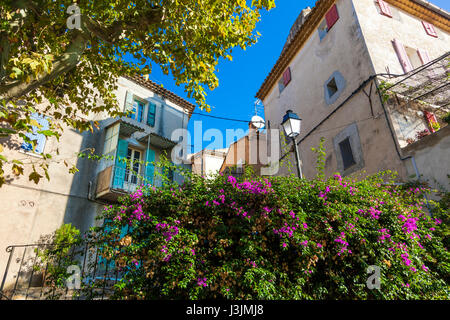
{"x":151,"y":114}
{"x":120,"y":164}
{"x":140,"y":110}
{"x":149,"y":166}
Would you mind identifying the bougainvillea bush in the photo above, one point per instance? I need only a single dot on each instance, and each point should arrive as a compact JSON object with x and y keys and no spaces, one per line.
{"x":277,"y":238}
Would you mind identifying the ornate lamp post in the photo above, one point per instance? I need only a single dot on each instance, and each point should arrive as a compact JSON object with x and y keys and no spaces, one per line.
{"x":291,"y":125}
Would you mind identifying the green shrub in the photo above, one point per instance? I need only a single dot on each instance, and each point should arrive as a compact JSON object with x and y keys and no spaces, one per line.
{"x":446,"y":118}
{"x":56,"y":255}
{"x":277,"y":238}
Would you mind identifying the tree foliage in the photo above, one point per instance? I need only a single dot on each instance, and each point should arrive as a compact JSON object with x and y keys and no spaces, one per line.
{"x":75,"y":70}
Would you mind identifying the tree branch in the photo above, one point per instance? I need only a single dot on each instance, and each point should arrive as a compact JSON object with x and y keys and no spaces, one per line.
{"x":90,"y":29}
{"x":62,"y":64}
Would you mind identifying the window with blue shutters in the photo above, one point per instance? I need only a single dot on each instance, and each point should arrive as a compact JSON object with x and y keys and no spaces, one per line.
{"x":140,"y":110}
{"x":40,"y":123}
{"x":134,"y":107}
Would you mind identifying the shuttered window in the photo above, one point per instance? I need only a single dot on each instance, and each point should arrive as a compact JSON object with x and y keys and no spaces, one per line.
{"x":423,"y":55}
{"x":429,"y":29}
{"x":287,"y":76}
{"x":384,"y":8}
{"x":331,"y":17}
{"x":402,"y":56}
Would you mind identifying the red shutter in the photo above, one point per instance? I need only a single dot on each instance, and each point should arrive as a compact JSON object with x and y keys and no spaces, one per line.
{"x":423,"y":55}
{"x":287,"y":76}
{"x":332,"y":16}
{"x":431,"y":118}
{"x":429,"y":29}
{"x":402,"y":56}
{"x":385,"y":9}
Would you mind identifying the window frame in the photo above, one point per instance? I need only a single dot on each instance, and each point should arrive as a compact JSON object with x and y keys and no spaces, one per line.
{"x":352,"y":134}
{"x":348,"y":159}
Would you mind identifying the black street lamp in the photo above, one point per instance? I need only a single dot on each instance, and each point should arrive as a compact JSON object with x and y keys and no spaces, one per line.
{"x":291,"y":125}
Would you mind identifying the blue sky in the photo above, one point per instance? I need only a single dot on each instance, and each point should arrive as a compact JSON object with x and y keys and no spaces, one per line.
{"x":240,"y":79}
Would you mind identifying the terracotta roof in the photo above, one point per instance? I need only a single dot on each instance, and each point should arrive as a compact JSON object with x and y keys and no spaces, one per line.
{"x":159,"y":90}
{"x":313,"y":19}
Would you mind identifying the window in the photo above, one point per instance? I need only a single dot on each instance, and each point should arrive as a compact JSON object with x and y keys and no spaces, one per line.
{"x":332,"y":87}
{"x":134,"y":107}
{"x":429,"y":29}
{"x":413,"y":57}
{"x":410,"y":58}
{"x":384,"y":8}
{"x":331,"y":17}
{"x":133,"y":166}
{"x":136,"y":110}
{"x":323,"y":29}
{"x":39,"y":124}
{"x":281,"y":86}
{"x":348,"y":150}
{"x":285,"y":79}
{"x":346,"y":153}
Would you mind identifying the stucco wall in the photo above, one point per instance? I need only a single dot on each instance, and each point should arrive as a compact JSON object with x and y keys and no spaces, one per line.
{"x":208,"y":162}
{"x":30,"y":211}
{"x":344,"y":50}
{"x":380,"y":30}
{"x":432,"y":154}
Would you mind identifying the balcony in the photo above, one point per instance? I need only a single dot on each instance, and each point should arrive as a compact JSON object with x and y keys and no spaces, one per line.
{"x":115,"y":181}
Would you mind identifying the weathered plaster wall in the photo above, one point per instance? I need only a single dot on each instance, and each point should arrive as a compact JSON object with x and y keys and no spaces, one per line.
{"x":343,"y":49}
{"x":208,"y":162}
{"x":380,"y":30}
{"x":30,"y":210}
{"x":432,"y":154}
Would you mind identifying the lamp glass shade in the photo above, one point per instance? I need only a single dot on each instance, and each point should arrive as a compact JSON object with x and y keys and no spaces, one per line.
{"x":291,"y":124}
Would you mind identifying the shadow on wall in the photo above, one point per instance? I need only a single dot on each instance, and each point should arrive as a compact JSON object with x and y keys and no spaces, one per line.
{"x":80,"y":210}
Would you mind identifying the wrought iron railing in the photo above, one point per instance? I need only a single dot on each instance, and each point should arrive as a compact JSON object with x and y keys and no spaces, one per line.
{"x":53,"y":271}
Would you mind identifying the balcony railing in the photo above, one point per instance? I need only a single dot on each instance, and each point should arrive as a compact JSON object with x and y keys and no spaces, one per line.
{"x":42,"y":271}
{"x":115,"y":181}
